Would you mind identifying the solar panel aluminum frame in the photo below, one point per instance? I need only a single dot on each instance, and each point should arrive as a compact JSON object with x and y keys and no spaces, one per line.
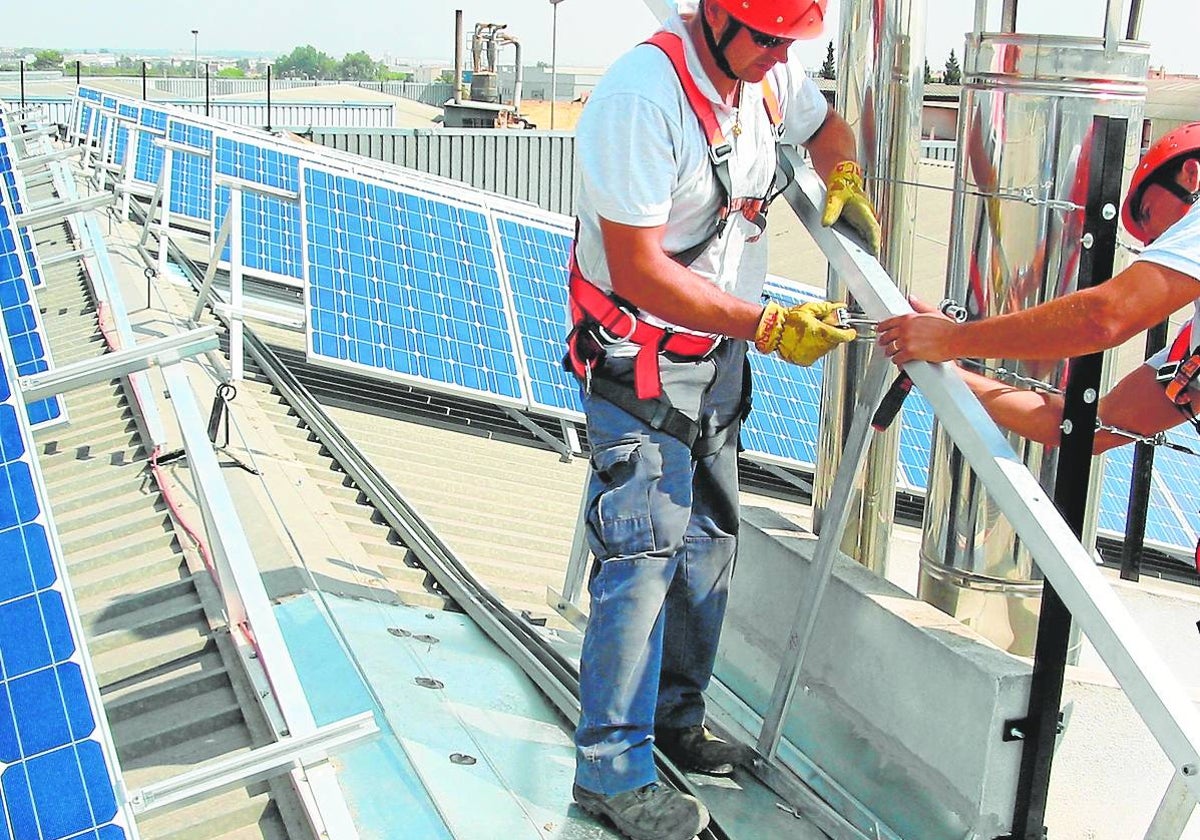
{"x":101,"y":733}
{"x":520,"y":402}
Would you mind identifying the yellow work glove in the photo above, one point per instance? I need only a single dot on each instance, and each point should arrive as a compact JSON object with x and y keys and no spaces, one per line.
{"x":801,"y":334}
{"x":845,"y":197}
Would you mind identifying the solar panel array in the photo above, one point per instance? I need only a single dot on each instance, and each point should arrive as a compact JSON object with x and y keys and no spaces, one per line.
{"x":26,"y":336}
{"x":57,"y":766}
{"x":451,"y":288}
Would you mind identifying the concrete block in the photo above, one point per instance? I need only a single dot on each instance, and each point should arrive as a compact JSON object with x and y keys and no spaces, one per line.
{"x":898,"y":703}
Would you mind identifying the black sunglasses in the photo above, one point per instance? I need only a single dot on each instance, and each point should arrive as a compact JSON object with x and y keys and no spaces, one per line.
{"x":767,"y":42}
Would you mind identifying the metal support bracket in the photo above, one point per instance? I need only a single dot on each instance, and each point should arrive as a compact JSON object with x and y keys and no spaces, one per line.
{"x":45,"y":160}
{"x":63,"y":209}
{"x":163,"y":351}
{"x":541,"y":434}
{"x":224,"y":774}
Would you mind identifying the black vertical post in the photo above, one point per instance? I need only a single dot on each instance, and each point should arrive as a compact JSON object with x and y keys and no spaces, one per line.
{"x":22,"y":83}
{"x":78,"y":72}
{"x":1139,"y":483}
{"x":207,"y":94}
{"x":1040,"y":727}
{"x":268,"y":97}
{"x":144,"y":80}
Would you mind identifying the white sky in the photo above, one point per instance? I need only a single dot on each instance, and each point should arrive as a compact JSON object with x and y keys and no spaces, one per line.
{"x":589,"y":32}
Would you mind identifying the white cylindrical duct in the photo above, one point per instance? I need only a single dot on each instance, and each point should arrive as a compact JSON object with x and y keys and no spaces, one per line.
{"x":881,"y":85}
{"x":1021,"y":178}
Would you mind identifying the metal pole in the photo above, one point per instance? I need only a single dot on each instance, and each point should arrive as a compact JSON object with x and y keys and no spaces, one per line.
{"x":77,"y":72}
{"x":1039,"y":729}
{"x":458,"y":55}
{"x":22,"y":83}
{"x":1139,"y":483}
{"x":553,"y":59}
{"x":195,"y":53}
{"x":1135,"y":21}
{"x":207,"y":92}
{"x":268,"y":97}
{"x":143,"y":80}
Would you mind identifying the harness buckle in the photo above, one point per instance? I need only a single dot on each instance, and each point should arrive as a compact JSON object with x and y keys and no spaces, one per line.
{"x":720,"y":154}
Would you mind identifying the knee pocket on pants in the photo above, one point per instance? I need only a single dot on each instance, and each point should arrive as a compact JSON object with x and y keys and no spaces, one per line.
{"x":622,"y":514}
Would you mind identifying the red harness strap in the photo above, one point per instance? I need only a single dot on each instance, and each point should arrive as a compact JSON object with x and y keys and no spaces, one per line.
{"x":598,"y":319}
{"x":591,"y":305}
{"x":754,"y":209}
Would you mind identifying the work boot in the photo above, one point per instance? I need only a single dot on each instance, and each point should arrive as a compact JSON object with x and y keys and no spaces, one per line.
{"x":654,"y":812}
{"x":696,"y":750}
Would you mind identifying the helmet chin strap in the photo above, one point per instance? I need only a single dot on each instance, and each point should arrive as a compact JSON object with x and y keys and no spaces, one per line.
{"x":718,"y":49}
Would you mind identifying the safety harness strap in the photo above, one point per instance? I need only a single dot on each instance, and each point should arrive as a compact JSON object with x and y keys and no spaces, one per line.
{"x":592,"y":306}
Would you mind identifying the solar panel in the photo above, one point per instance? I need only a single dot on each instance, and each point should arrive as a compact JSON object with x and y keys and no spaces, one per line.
{"x":58,"y":768}
{"x":535,"y":264}
{"x":271,"y":241}
{"x":191,"y":174}
{"x":22,"y":318}
{"x":16,"y":203}
{"x":148,"y":155}
{"x":406,"y":284}
{"x":1165,"y":527}
{"x":916,"y":437}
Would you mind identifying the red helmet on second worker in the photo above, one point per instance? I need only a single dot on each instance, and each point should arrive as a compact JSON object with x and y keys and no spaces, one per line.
{"x":791,"y":19}
{"x":1170,"y":147}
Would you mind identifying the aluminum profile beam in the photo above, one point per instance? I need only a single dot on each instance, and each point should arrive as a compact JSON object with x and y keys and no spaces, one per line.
{"x":160,"y":352}
{"x":61,"y":210}
{"x":223,"y":774}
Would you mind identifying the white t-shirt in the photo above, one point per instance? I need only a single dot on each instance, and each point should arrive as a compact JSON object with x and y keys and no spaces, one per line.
{"x":1179,"y":249}
{"x":644,"y":161}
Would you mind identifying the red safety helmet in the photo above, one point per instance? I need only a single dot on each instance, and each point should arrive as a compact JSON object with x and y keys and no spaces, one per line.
{"x":791,"y":19}
{"x":1171,"y":146}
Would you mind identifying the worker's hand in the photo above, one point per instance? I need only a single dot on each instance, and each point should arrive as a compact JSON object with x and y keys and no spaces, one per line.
{"x":803,"y":333}
{"x":923,"y":335}
{"x":845,"y":197}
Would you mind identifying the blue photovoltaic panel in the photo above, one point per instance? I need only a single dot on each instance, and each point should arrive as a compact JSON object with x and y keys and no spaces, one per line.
{"x":56,"y":780}
{"x":916,"y":437}
{"x":191,"y":174}
{"x":8,"y":174}
{"x":407,"y":284}
{"x":109,"y":103}
{"x":1163,"y":526}
{"x":1175,"y":472}
{"x":271,"y":241}
{"x":22,"y":322}
{"x":148,"y":155}
{"x":127,"y":111}
{"x":535,"y":261}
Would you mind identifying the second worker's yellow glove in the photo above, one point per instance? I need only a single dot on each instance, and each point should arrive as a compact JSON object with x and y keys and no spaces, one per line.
{"x":846,"y":198}
{"x":803,"y":333}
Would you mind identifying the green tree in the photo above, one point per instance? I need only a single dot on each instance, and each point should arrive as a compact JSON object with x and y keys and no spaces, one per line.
{"x":953,"y":74}
{"x":928,"y":72}
{"x":446,"y":77}
{"x":305,"y":62}
{"x":47,"y":60}
{"x":359,"y":67}
{"x":231,"y":73}
{"x":829,"y":69}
